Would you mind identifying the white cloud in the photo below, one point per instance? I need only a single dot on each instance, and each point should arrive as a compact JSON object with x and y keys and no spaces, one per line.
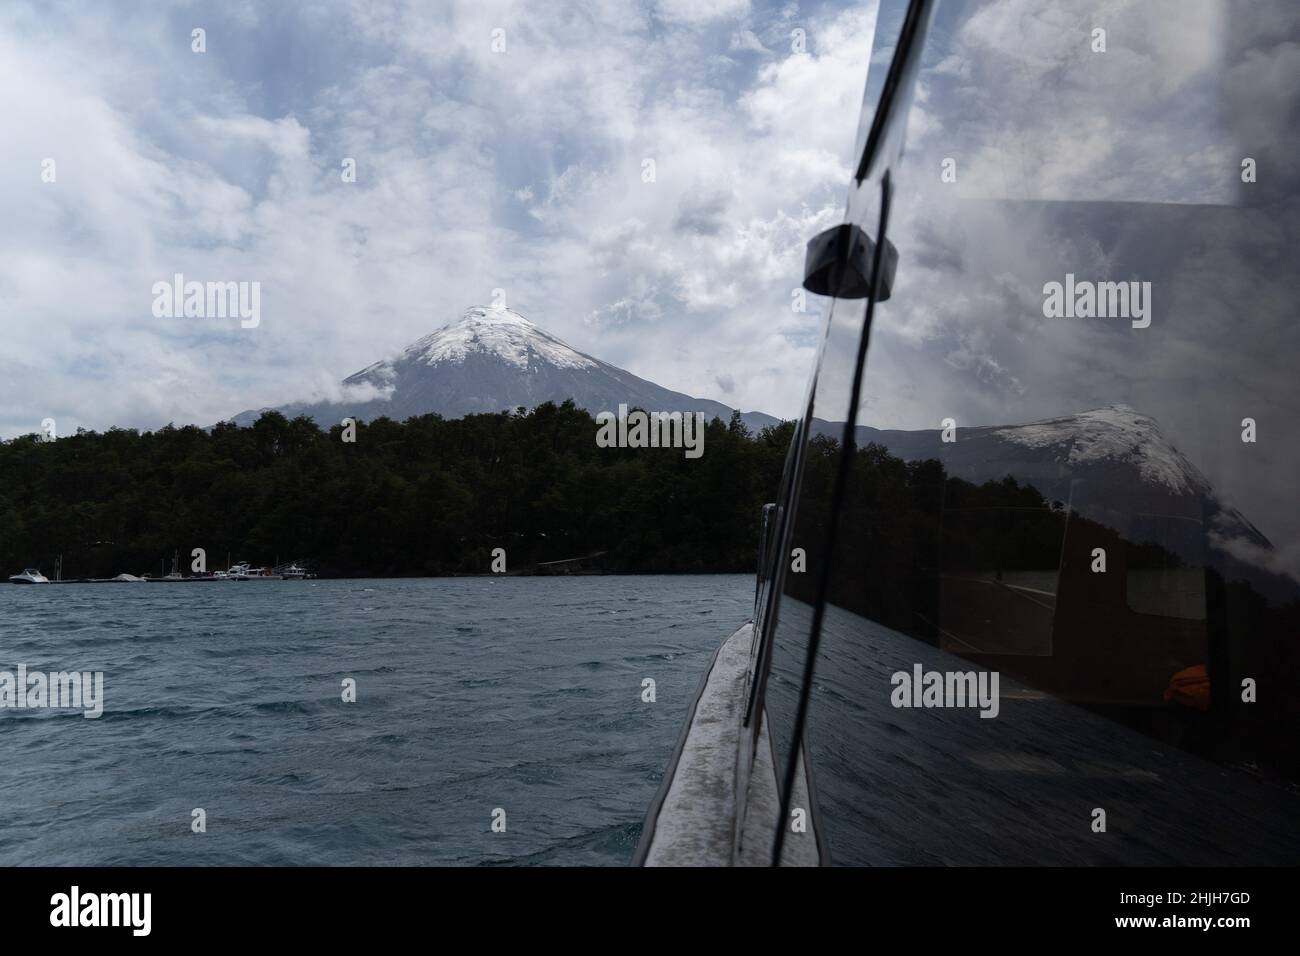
{"x":700,"y":11}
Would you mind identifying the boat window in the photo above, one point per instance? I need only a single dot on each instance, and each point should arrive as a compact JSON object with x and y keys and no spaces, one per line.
{"x":1073,"y":459}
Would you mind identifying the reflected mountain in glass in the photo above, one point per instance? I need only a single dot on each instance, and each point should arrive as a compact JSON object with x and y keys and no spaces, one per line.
{"x":1084,"y":555}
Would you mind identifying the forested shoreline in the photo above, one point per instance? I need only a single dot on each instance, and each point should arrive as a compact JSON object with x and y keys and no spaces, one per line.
{"x":428,"y":496}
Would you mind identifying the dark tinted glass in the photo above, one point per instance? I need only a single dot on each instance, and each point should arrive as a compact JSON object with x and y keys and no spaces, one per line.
{"x":1076,"y":456}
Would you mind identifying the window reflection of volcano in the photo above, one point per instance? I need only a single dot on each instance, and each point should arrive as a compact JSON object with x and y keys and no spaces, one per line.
{"x":986,"y":548}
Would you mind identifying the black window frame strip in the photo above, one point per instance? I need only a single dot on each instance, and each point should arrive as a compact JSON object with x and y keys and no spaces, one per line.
{"x":848,"y":446}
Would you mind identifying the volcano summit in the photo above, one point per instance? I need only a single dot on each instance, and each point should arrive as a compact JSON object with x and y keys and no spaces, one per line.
{"x":489,"y":361}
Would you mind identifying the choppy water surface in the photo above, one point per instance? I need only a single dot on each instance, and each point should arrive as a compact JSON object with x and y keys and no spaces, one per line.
{"x":472,"y":694}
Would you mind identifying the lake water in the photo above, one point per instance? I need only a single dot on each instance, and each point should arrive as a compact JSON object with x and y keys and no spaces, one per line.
{"x":472,"y":694}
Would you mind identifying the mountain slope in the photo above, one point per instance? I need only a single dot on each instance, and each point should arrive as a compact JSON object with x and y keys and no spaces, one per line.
{"x":1111,"y":464}
{"x":489,"y":361}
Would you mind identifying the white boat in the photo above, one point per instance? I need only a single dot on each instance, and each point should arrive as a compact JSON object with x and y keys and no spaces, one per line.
{"x":29,"y":576}
{"x":243,"y":572}
{"x":294,"y":573}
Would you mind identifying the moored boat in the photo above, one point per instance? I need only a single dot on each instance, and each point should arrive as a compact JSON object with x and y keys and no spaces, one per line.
{"x":29,"y":576}
{"x":244,"y":572}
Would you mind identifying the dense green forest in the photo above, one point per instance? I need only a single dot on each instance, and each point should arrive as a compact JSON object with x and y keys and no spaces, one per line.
{"x":428,"y":496}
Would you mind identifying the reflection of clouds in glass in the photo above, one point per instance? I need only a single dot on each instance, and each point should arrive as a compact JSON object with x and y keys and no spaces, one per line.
{"x":1011,"y":95}
{"x":1283,"y":559}
{"x":1015,"y":93}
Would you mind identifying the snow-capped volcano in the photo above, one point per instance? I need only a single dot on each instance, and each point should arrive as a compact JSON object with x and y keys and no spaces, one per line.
{"x":1113,"y":439}
{"x":1112,"y":464}
{"x":502,"y":333}
{"x":491,"y":360}
{"x":1113,"y":433}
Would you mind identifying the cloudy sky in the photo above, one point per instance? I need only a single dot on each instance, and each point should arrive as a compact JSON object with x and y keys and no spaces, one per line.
{"x":476,"y":170}
{"x":522,"y":168}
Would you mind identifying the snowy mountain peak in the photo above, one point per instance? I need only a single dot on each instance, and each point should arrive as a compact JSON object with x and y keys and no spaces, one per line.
{"x":1117,"y":433}
{"x":498,"y":332}
{"x":487,"y":361}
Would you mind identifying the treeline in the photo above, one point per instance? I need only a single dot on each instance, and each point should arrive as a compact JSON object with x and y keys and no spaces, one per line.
{"x":428,"y":496}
